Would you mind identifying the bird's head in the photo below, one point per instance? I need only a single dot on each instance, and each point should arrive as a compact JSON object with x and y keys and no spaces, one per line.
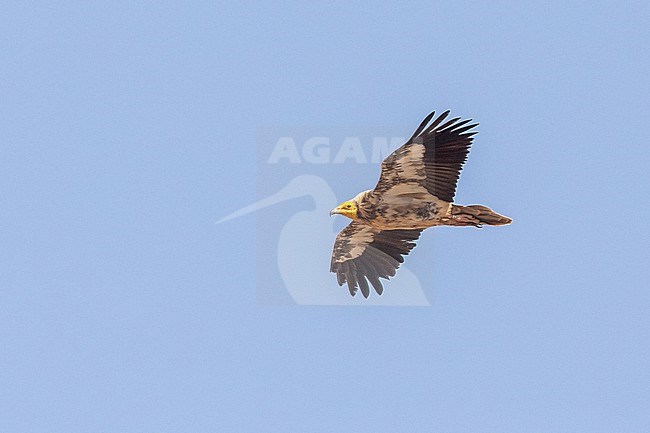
{"x":347,"y":208}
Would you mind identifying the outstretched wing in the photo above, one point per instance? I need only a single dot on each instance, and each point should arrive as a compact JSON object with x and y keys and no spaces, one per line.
{"x":364,"y":253}
{"x":433,"y":157}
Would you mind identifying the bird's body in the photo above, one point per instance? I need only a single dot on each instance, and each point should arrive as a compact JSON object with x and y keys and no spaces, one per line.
{"x":412,"y":209}
{"x":415,"y":191}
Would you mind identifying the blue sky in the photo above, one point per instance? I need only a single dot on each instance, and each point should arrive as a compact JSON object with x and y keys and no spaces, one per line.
{"x":128,"y":129}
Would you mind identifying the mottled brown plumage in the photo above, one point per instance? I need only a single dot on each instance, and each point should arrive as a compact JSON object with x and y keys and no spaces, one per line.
{"x":415,"y":191}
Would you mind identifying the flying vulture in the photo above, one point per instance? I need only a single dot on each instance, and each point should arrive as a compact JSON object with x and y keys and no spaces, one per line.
{"x":415,"y":191}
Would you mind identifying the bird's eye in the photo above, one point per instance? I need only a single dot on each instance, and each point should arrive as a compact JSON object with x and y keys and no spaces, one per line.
{"x":347,"y":206}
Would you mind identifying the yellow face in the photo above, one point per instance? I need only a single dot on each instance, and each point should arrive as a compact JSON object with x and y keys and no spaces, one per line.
{"x":347,"y":208}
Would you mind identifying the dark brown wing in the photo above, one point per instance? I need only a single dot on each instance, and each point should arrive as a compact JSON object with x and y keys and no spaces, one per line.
{"x":363,"y":253}
{"x":433,"y":157}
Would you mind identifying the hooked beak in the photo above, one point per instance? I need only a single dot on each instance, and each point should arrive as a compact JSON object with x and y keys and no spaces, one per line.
{"x":335,"y":211}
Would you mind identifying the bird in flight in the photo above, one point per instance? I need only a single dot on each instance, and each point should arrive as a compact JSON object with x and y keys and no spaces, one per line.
{"x":415,"y":191}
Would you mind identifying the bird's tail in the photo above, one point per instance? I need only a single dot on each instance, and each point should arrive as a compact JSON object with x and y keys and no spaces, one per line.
{"x":477,"y":215}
